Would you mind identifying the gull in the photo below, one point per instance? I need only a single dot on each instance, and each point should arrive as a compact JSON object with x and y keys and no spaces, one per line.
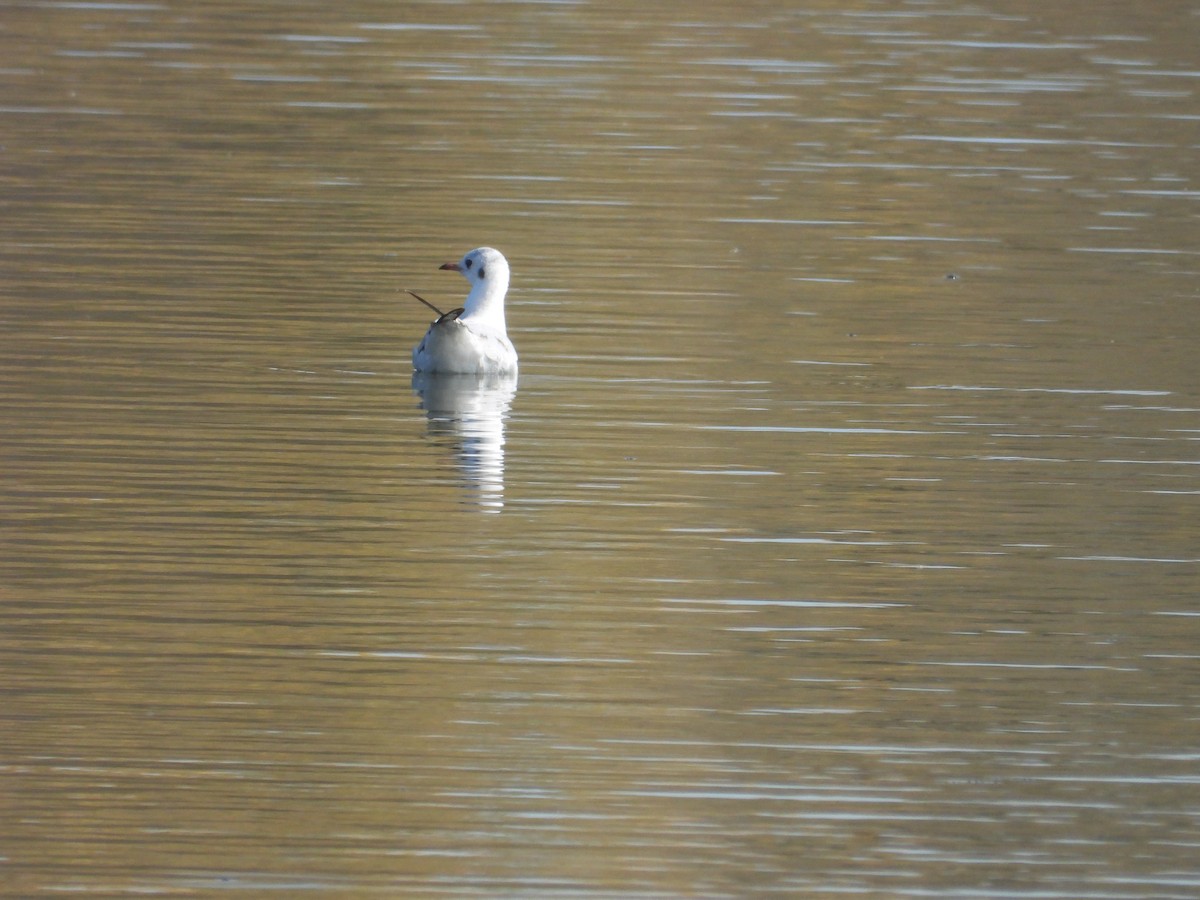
{"x":471,"y":340}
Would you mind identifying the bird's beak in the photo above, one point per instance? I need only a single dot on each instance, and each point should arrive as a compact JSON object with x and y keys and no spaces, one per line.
{"x":453,"y":267}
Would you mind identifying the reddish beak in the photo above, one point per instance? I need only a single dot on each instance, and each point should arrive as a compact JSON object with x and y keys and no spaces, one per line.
{"x":453,"y":267}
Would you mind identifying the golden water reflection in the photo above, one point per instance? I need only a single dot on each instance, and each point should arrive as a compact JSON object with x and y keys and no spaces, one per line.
{"x":839,"y":537}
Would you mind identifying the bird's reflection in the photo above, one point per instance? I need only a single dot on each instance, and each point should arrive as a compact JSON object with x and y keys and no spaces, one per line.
{"x":472,"y":409}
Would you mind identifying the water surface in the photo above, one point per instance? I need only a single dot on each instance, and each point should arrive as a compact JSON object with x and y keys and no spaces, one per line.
{"x":838,"y":537}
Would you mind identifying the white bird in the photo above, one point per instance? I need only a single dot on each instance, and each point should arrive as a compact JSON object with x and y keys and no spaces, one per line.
{"x":472,"y":340}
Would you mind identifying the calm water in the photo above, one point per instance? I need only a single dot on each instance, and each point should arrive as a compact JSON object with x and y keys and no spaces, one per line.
{"x":840,"y":536}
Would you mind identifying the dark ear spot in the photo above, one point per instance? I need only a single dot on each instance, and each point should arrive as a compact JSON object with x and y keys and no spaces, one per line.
{"x":481,"y":270}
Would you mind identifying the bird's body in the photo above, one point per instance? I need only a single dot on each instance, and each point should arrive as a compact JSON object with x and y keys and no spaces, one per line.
{"x":472,"y":340}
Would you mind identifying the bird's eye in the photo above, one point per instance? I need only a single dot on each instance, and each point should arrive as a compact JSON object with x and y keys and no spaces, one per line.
{"x":481,"y":272}
{"x":469,"y":262}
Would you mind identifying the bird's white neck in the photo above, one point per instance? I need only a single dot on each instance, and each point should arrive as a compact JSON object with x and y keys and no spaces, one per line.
{"x":484,"y":306}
